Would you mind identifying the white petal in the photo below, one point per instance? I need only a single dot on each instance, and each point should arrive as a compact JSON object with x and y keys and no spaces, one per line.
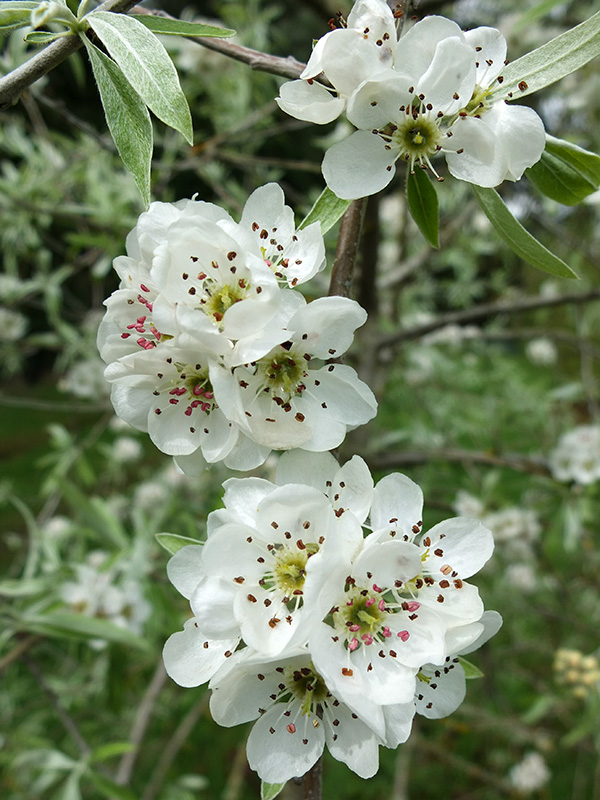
{"x":416,"y":49}
{"x":353,"y":486}
{"x":326,"y":325}
{"x":377,"y":101}
{"x":243,"y":496}
{"x":186,"y":569}
{"x":278,"y":755}
{"x":480,"y":161}
{"x":397,"y":504}
{"x":443,"y":692}
{"x":398,"y":723}
{"x":388,"y":562}
{"x":466,"y":544}
{"x":492,"y":622}
{"x":311,"y":102}
{"x":520,"y":133}
{"x":352,"y":742}
{"x":238,"y":695}
{"x":376,"y":15}
{"x":246,"y":454}
{"x":311,"y":469}
{"x":348,"y":58}
{"x":358,"y":166}
{"x":191,"y":658}
{"x":490,"y":56}
{"x":452,"y":71}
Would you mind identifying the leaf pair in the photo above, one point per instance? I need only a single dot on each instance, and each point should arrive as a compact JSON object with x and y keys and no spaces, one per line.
{"x":139,"y":75}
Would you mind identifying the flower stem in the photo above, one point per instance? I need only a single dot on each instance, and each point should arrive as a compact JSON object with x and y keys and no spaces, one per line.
{"x":313,"y":782}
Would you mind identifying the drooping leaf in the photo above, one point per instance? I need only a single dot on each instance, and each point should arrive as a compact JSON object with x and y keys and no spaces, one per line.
{"x":471,"y":671}
{"x":126,"y":116}
{"x":516,"y":237}
{"x":423,"y":205}
{"x":327,"y":210}
{"x":552,"y":61}
{"x":179,"y":27}
{"x":78,"y":626}
{"x":146,"y":65}
{"x":172,"y":542}
{"x":559,"y":180}
{"x":268,"y":791}
{"x":587,"y":163}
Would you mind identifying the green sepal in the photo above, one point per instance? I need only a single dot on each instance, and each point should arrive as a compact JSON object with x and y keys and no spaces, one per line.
{"x":327,"y":210}
{"x":268,"y":791}
{"x":179,"y":27}
{"x":516,"y":237}
{"x":172,"y":542}
{"x":471,"y":671}
{"x":423,"y":205}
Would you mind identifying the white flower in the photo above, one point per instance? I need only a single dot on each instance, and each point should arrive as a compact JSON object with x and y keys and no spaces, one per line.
{"x":521,"y":577}
{"x":346,"y":57}
{"x":530,"y":774}
{"x":288,"y":398}
{"x":13,"y":325}
{"x":297,"y":715}
{"x":541,"y":351}
{"x":126,"y":449}
{"x":577,"y":456}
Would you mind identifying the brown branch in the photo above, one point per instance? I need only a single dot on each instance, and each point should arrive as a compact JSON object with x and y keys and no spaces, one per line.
{"x":488,"y":310}
{"x":313,"y":781}
{"x":347,"y":248}
{"x":533,"y":466}
{"x":140,"y":724}
{"x":16,"y":82}
{"x":287,"y":67}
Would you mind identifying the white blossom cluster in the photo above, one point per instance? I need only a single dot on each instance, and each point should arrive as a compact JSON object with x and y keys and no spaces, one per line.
{"x":427,"y":92}
{"x":576,"y":457}
{"x":321,"y":609}
{"x":212,"y":350}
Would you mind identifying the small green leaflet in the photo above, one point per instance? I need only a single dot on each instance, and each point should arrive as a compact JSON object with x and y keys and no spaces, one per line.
{"x":44,"y":37}
{"x":327,"y":210}
{"x":172,"y":542}
{"x":126,"y":116}
{"x":146,"y":65}
{"x":78,"y":626}
{"x":14,"y":15}
{"x":552,"y":61}
{"x":566,"y":173}
{"x":471,"y":671}
{"x":516,"y":237}
{"x":268,"y":791}
{"x":423,"y":205}
{"x":178,"y":27}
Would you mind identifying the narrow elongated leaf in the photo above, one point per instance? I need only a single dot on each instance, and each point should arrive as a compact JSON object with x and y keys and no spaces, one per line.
{"x":587,"y":163}
{"x":14,"y":15}
{"x":559,"y":180}
{"x":516,"y":237}
{"x":44,"y":37}
{"x":327,"y":210}
{"x":552,"y":61}
{"x":79,"y":626}
{"x":146,"y":65}
{"x":423,"y":205}
{"x":471,"y":671}
{"x":179,"y":27}
{"x":172,"y":542}
{"x":126,"y":116}
{"x":110,"y":750}
{"x":268,"y":791}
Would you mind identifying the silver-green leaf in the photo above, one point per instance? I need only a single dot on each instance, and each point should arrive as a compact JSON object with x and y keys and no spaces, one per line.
{"x":516,"y":237}
{"x":78,"y":626}
{"x":566,"y":173}
{"x":172,"y":542}
{"x":14,"y":15}
{"x":327,"y":210}
{"x":552,"y":61}
{"x":146,"y":65}
{"x":126,"y":116}
{"x":179,"y":27}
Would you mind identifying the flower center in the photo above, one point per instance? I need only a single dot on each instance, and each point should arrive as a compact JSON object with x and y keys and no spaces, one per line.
{"x":282,"y":372}
{"x":362,"y":618}
{"x":290,"y":571}
{"x":217,"y":299}
{"x":417,"y":137}
{"x":193,"y":385}
{"x":307,"y":686}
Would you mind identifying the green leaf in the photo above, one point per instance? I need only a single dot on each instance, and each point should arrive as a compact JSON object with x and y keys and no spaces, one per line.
{"x":471,"y":671}
{"x":23,"y":588}
{"x":327,"y":210}
{"x":110,"y":750}
{"x":178,"y":27}
{"x":268,"y":791}
{"x":423,"y":205}
{"x":147,"y":66}
{"x":516,"y":237}
{"x":535,"y":13}
{"x":172,"y":542}
{"x":559,"y":180}
{"x":44,"y":37}
{"x":79,"y":626}
{"x":552,"y":61}
{"x":126,"y":116}
{"x":587,"y":163}
{"x":14,"y":15}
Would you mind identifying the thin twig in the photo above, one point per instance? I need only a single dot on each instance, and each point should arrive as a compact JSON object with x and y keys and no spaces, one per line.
{"x":65,"y":718}
{"x":140,"y":724}
{"x":18,"y":650}
{"x":347,"y":248}
{"x":531,"y":466}
{"x":176,"y":742}
{"x":487,"y":310}
{"x":313,"y":781}
{"x":16,"y":82}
